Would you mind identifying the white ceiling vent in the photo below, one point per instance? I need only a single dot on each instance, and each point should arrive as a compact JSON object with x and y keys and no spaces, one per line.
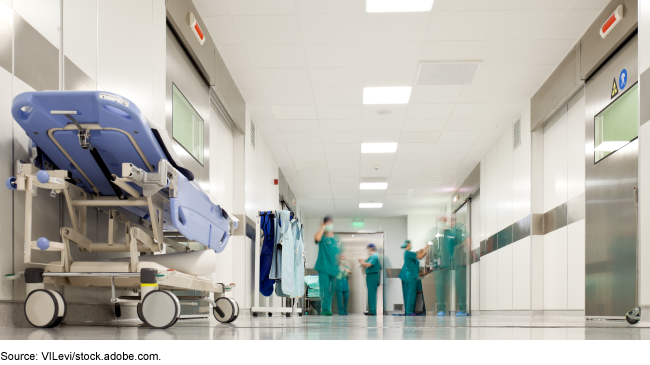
{"x":447,"y":73}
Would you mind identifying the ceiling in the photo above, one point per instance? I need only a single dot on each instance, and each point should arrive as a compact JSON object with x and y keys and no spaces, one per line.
{"x":301,"y":66}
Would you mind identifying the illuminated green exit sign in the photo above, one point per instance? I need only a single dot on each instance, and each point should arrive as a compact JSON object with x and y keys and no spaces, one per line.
{"x":357,"y":222}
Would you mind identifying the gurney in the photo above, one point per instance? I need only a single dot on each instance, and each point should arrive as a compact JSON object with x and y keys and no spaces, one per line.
{"x":98,"y":150}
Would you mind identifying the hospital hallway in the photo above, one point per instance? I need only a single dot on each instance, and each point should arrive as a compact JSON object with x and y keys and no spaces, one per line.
{"x":352,"y":327}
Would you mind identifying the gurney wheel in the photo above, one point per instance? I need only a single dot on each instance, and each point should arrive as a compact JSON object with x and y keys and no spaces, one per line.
{"x":288,"y":315}
{"x":226,"y":310}
{"x":270,"y":314}
{"x":139,"y":310}
{"x":160,"y":309}
{"x":45,"y":308}
{"x":254,"y":314}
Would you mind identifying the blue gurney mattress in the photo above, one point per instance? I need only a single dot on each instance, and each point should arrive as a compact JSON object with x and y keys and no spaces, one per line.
{"x":118,"y":133}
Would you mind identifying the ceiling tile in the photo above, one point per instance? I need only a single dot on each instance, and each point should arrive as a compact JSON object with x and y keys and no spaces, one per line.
{"x":340,"y":125}
{"x":574,"y":24}
{"x":391,"y":53}
{"x":339,"y":95}
{"x":381,"y":158}
{"x":458,"y":147}
{"x":396,"y":111}
{"x":450,"y":50}
{"x":339,"y":111}
{"x":395,"y":26}
{"x":510,"y":52}
{"x":553,"y":52}
{"x":277,"y":55}
{"x":289,"y":126}
{"x":336,"y":77}
{"x":382,"y":125}
{"x":487,"y":110}
{"x":424,"y":125}
{"x":235,"y":56}
{"x":343,"y":157}
{"x":266,"y":126}
{"x":380,"y":137}
{"x":589,"y":4}
{"x":478,"y":124}
{"x":322,"y":165}
{"x":307,"y":157}
{"x":536,"y":74}
{"x":260,"y":112}
{"x":208,"y":8}
{"x":277,"y":148}
{"x":496,"y":75}
{"x":375,"y":173}
{"x":525,"y":24}
{"x":469,"y":163}
{"x":354,"y":191}
{"x":222,"y":29}
{"x":308,"y":180}
{"x":275,"y":78}
{"x":303,"y":138}
{"x":313,"y":173}
{"x":344,"y":173}
{"x":497,"y":93}
{"x":471,"y":5}
{"x":245,"y":78}
{"x":254,"y":96}
{"x":304,"y":148}
{"x":330,"y":6}
{"x":282,"y":157}
{"x":344,"y":179}
{"x":294,"y":111}
{"x":419,"y":137}
{"x":416,"y":147}
{"x":334,"y":54}
{"x":382,"y":76}
{"x":332,"y":28}
{"x":345,"y":138}
{"x":460,"y":25}
{"x":260,"y":7}
{"x":343,"y":187}
{"x":535,"y":4}
{"x":435,"y":94}
{"x":289,"y":172}
{"x":343,"y":165}
{"x":406,"y":156}
{"x":425,"y":111}
{"x":280,"y":29}
{"x":408,"y":165}
{"x":342,"y":148}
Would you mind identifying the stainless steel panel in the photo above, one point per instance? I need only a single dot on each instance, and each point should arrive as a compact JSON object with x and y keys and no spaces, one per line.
{"x":6,"y":36}
{"x":521,"y":229}
{"x":537,"y":224}
{"x":555,"y":218}
{"x":471,"y":183}
{"x":37,"y":60}
{"x":610,"y":216}
{"x":644,"y":94}
{"x":229,"y":94}
{"x":178,"y":15}
{"x":491,"y":244}
{"x":483,"y":248}
{"x":557,"y":90}
{"x":504,"y":237}
{"x":594,"y":50}
{"x":575,"y":208}
{"x":75,"y":78}
{"x":183,"y":73}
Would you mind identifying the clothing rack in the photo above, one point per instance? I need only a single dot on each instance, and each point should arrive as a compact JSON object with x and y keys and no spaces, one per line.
{"x":256,"y":296}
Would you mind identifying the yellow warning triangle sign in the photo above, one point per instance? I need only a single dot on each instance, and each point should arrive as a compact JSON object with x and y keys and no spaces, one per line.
{"x":614,"y":89}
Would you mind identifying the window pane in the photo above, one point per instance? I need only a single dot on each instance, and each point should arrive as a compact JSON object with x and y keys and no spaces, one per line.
{"x":617,"y":125}
{"x":187,"y":125}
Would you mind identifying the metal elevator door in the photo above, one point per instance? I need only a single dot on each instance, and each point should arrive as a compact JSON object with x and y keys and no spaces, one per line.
{"x":611,"y":223}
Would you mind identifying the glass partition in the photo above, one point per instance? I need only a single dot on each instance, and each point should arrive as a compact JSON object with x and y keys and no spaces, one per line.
{"x":187,"y":125}
{"x":617,"y":125}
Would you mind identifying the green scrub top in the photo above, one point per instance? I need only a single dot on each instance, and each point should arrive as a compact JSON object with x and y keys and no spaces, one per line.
{"x":411,"y":268}
{"x":374,"y":260}
{"x":327,"y":261}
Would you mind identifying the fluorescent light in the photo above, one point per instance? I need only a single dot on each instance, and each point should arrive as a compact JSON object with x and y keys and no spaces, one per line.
{"x":397,"y":6}
{"x":370,"y":205}
{"x":386,"y":95}
{"x":373,"y":186}
{"x":609,"y":146}
{"x":378,"y":147}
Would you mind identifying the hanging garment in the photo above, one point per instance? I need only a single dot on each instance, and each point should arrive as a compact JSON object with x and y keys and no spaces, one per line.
{"x":299,"y":260}
{"x":278,"y":290}
{"x":288,"y":243}
{"x":266,"y":256}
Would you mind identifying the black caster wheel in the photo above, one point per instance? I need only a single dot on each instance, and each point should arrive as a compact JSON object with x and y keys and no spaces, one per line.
{"x":45,"y":308}
{"x":226,"y":310}
{"x":631,"y":319}
{"x":288,"y":315}
{"x":254,"y":314}
{"x":270,"y":314}
{"x":300,"y":314}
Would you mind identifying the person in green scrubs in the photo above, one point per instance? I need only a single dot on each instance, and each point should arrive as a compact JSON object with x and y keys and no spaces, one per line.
{"x":342,"y":288}
{"x":409,"y":275}
{"x":373,"y":269}
{"x":327,"y":263}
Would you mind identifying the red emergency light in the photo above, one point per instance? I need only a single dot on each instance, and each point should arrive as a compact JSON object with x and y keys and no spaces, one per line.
{"x":611,"y":22}
{"x":196,"y":29}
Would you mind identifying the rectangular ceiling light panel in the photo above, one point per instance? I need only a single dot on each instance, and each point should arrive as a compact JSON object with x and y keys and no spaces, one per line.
{"x":398,"y":6}
{"x":447,"y":73}
{"x":370,"y":205}
{"x":378,"y":147}
{"x":373,"y":186}
{"x":386,"y":95}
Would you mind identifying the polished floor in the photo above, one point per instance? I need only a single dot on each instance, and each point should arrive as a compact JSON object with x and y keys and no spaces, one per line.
{"x":353,"y":327}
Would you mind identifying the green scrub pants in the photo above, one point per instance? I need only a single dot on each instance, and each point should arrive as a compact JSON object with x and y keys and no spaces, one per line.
{"x":372,"y":281}
{"x":409,"y":292}
{"x":342,"y":301}
{"x":326,"y":283}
